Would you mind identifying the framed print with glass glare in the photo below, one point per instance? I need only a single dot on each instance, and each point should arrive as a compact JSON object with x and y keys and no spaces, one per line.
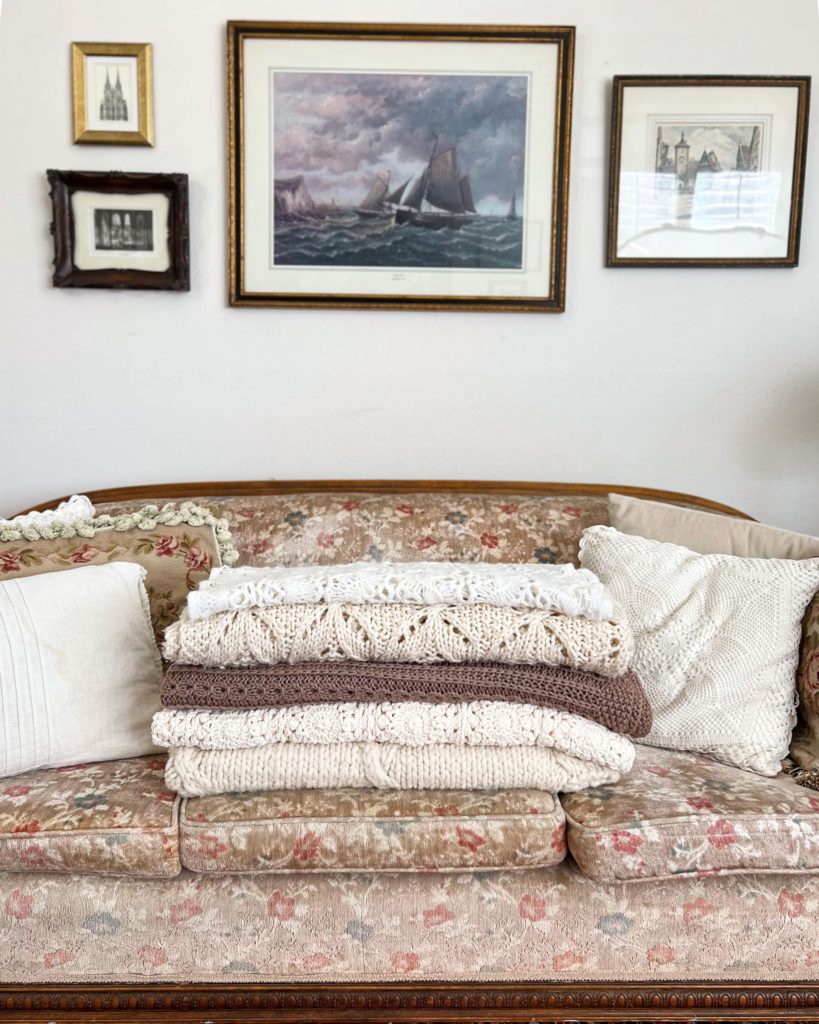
{"x":707,"y":171}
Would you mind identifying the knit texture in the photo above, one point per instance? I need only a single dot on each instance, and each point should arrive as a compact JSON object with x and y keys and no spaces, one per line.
{"x":617,"y":703}
{"x":400,"y":632}
{"x":194,"y":772}
{"x":559,"y":588}
{"x":717,"y":642}
{"x":481,"y":723}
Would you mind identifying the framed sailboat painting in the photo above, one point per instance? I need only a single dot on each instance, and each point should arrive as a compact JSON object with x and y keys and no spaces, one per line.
{"x":398,"y":166}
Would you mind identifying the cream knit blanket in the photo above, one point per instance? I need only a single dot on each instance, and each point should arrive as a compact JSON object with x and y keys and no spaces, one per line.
{"x":411,"y":723}
{"x":400,"y":632}
{"x":558,"y":588}
{"x":194,"y":772}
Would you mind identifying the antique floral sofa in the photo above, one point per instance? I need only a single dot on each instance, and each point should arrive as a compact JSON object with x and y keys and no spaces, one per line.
{"x":689,"y":890}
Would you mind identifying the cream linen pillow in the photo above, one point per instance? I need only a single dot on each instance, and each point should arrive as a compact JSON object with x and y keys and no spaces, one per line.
{"x":712,"y":534}
{"x":79,"y":668}
{"x":716,"y":642}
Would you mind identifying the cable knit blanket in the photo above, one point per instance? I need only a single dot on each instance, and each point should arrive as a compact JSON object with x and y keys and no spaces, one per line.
{"x":400,"y":632}
{"x":617,"y":703}
{"x":194,"y":772}
{"x":412,"y":723}
{"x":559,"y":588}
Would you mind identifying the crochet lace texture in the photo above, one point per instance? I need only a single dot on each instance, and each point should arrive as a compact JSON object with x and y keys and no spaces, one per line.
{"x":617,"y":703}
{"x":481,"y":723}
{"x":194,"y":772}
{"x":559,"y":588}
{"x":400,"y":632}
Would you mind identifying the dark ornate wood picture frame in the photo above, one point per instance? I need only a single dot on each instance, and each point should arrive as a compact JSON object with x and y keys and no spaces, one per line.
{"x":660,"y":188}
{"x":443,"y":269}
{"x":172,"y":187}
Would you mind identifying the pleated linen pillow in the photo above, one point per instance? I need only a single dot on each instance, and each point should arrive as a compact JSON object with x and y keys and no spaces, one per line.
{"x":716,"y":642}
{"x":80,"y":671}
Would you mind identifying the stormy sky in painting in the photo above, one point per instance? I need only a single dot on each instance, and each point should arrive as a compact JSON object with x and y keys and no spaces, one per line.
{"x":340,"y":129}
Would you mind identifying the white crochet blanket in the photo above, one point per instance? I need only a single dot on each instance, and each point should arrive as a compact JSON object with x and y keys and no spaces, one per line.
{"x":400,"y":632}
{"x":409,"y":723}
{"x":559,"y":588}
{"x":194,"y":772}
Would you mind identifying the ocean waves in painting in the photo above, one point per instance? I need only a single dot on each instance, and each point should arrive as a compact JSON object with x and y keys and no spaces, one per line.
{"x":347,"y":240}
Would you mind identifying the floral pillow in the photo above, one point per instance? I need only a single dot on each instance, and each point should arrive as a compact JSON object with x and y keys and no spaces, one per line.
{"x":178,"y":545}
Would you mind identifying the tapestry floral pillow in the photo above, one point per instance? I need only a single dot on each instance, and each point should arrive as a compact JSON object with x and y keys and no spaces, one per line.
{"x":177,"y":544}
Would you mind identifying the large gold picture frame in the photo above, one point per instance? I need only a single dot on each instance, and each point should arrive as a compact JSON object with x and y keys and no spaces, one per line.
{"x":143,"y":132}
{"x":252,"y":205}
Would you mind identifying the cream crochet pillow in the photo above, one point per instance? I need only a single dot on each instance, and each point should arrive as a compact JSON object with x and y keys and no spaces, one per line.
{"x":716,"y":642}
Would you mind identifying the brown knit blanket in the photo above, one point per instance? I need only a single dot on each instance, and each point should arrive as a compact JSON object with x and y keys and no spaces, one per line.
{"x":616,"y":702}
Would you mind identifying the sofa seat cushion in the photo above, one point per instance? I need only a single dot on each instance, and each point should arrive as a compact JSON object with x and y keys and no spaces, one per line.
{"x":111,"y":818}
{"x":552,"y":924}
{"x":371,"y":830}
{"x":684,"y":814}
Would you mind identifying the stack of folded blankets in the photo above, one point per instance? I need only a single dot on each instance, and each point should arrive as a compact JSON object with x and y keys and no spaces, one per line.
{"x":403,"y":676}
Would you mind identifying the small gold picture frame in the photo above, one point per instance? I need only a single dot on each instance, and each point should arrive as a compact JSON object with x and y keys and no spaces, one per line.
{"x":113,"y":93}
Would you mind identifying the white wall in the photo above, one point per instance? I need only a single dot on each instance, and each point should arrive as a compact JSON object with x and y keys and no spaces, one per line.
{"x":697,"y":380}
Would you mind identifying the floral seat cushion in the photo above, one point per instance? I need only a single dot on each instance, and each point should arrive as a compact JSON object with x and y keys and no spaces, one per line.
{"x":681,"y":814}
{"x":371,"y":830}
{"x":112,"y":818}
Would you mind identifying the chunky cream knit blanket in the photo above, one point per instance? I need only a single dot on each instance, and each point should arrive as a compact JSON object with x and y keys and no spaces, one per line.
{"x":194,"y":772}
{"x":558,"y":588}
{"x":400,"y":632}
{"x":411,"y":723}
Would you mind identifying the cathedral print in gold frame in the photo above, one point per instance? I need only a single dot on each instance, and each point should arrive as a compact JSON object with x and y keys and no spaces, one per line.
{"x":113,"y":93}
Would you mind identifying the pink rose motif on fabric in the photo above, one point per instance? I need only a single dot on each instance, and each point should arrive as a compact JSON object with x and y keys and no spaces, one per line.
{"x":28,"y":827}
{"x":9,"y":562}
{"x":532,"y":908}
{"x":15,"y":791}
{"x":18,"y":905}
{"x":316,"y":962}
{"x":625,"y":842}
{"x":152,"y":956}
{"x":509,"y":510}
{"x":696,"y":910}
{"x":280,"y":906}
{"x":83,"y":555}
{"x":166,"y":547}
{"x":325,"y":540}
{"x":57,"y":958}
{"x":699,"y":803}
{"x":438,"y":915}
{"x":405,"y":962}
{"x":468,"y":839}
{"x":791,"y":904}
{"x":721,"y":834}
{"x":307,"y":847}
{"x":447,"y":809}
{"x":406,"y":510}
{"x":196,"y":560}
{"x":260,"y":547}
{"x":565,"y":961}
{"x":660,"y":955}
{"x":558,"y":840}
{"x":184,"y":911}
{"x":425,"y":543}
{"x":489,"y":540}
{"x":210,"y":846}
{"x":351,"y":506}
{"x":33,"y":857}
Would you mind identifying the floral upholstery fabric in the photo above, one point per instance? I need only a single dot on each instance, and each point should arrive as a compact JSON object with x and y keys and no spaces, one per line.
{"x":112,"y":818}
{"x":371,"y":830}
{"x":177,"y":545}
{"x":551,"y":924}
{"x":330,"y":529}
{"x":805,"y":745}
{"x":681,"y":814}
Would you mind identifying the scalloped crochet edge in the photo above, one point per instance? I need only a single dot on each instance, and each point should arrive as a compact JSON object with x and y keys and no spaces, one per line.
{"x":146,"y":518}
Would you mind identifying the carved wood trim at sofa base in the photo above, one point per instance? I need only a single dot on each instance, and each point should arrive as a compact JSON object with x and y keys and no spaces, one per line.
{"x":427,"y":1002}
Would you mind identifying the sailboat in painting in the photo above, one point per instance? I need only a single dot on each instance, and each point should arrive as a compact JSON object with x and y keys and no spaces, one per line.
{"x":512,"y":213}
{"x":374,"y":203}
{"x":438,"y":197}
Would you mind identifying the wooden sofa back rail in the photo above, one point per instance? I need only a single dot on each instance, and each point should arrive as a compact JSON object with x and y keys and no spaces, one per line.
{"x":253,"y":488}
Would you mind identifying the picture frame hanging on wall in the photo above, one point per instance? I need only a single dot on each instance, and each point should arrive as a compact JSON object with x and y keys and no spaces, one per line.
{"x":120,"y":230}
{"x":706,"y":170}
{"x":398,"y":166}
{"x":113,"y":93}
